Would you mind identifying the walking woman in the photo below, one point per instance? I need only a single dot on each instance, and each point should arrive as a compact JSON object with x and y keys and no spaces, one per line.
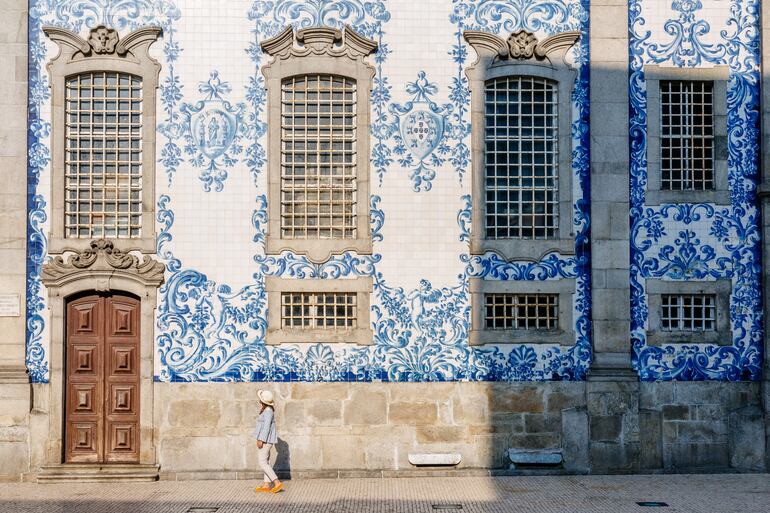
{"x":264,"y":432}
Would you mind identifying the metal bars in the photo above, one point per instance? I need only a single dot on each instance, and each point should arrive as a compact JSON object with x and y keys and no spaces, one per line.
{"x":521,"y":311}
{"x":318,"y":157}
{"x":688,"y":312}
{"x":103,"y":155}
{"x":521,"y":158}
{"x":687,"y":135}
{"x":327,"y":310}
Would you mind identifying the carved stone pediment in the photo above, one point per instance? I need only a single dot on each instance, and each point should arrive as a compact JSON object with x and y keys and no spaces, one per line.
{"x":521,"y":45}
{"x":102,"y":41}
{"x":102,"y":260}
{"x":319,"y":41}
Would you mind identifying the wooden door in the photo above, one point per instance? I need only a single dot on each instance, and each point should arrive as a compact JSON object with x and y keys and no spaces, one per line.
{"x":102,"y":400}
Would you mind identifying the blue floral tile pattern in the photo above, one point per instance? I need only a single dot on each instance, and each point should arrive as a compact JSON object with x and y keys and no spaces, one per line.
{"x":699,"y":241}
{"x":210,"y":331}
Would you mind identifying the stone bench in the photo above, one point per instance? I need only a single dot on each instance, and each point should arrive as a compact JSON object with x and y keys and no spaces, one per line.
{"x":434,"y":459}
{"x":535,"y":457}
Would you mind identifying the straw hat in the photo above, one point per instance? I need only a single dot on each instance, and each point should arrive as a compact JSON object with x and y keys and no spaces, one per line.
{"x":265,"y":397}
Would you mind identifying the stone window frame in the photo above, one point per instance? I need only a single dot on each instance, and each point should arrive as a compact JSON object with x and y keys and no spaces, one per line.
{"x":278,"y":334}
{"x":564,"y":335}
{"x":521,"y":55}
{"x":721,"y":288}
{"x":719,"y":76}
{"x":106,"y":51}
{"x":310,"y":51}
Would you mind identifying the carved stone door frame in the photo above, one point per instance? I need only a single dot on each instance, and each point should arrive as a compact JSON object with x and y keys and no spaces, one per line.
{"x":101,"y":268}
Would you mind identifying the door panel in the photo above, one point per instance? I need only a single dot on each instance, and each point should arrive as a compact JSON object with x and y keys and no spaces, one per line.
{"x":102,"y":401}
{"x":122,"y":379}
{"x":85,"y":380}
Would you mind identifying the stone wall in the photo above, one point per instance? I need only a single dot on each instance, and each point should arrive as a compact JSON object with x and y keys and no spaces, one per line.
{"x":206,"y":428}
{"x":14,"y":384}
{"x":369,"y":429}
{"x":697,"y":426}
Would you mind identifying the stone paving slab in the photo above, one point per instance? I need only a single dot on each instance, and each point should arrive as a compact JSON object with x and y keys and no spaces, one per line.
{"x":733,"y":493}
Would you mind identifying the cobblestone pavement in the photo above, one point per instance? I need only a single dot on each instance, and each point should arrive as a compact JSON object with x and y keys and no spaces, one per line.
{"x":572,"y":494}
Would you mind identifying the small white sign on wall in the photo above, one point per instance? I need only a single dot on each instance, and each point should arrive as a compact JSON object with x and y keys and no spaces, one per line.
{"x":10,"y":305}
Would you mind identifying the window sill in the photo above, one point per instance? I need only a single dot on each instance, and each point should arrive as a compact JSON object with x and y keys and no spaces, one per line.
{"x":664,"y":338}
{"x":318,"y":250}
{"x":661,"y":197}
{"x":537,"y":337}
{"x":358,"y":336}
{"x":511,"y":249}
{"x":57,"y":245}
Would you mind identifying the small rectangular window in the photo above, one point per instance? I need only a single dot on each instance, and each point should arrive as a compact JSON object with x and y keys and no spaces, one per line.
{"x":103,"y":157}
{"x":688,"y":312}
{"x":521,"y":311}
{"x":318,"y":157}
{"x":326,"y":310}
{"x":687,"y":135}
{"x":522,"y":158}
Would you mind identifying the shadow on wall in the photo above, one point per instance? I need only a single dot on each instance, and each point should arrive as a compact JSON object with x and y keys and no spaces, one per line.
{"x":282,"y":463}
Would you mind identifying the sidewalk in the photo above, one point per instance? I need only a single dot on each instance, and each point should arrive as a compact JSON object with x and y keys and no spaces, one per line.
{"x":732,"y":493}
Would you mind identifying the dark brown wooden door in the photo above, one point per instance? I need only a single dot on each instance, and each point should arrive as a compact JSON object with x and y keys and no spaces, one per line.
{"x":102,"y":400}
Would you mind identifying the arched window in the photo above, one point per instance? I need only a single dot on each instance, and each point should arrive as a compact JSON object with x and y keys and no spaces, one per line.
{"x":103,"y":139}
{"x":318,"y":89}
{"x":521,"y":158}
{"x":103,"y":158}
{"x":521,"y":171}
{"x":318,"y":157}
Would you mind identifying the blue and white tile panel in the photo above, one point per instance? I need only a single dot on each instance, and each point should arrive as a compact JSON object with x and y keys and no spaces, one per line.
{"x":699,"y":241}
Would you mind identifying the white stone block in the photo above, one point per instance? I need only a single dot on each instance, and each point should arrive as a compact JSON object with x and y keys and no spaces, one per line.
{"x":432,"y":459}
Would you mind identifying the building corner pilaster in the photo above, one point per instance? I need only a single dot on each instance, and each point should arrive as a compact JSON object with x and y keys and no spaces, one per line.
{"x":613,"y":385}
{"x":15,"y":388}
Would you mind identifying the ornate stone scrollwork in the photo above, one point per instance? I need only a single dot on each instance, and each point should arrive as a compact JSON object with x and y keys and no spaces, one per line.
{"x":101,"y":261}
{"x":319,"y":41}
{"x":521,"y":45}
{"x":103,"y":39}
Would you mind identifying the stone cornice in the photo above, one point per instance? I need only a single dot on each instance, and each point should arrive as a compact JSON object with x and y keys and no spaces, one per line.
{"x":102,"y":260}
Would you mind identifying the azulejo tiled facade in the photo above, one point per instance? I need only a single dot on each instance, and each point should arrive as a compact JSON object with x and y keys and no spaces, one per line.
{"x":211,"y":207}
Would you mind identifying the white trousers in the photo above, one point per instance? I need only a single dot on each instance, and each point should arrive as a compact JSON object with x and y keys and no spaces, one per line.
{"x":263,"y":456}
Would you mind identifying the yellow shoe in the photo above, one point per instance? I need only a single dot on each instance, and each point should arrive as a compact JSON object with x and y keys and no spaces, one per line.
{"x":277,"y":488}
{"x":264,"y":488}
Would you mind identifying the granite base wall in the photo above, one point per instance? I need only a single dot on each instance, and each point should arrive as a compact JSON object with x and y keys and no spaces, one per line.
{"x":701,"y":426}
{"x":205,"y":428}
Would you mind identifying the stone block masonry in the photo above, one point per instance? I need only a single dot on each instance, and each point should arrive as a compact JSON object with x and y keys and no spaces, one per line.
{"x":14,"y":383}
{"x":333,"y":429}
{"x":206,"y":427}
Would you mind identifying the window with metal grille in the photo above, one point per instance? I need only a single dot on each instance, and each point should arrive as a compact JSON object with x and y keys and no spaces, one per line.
{"x":521,"y":311}
{"x":327,"y":310}
{"x":318,"y":157}
{"x":522,"y":158}
{"x":103,"y":157}
{"x":687,"y":135}
{"x":688,"y":312}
